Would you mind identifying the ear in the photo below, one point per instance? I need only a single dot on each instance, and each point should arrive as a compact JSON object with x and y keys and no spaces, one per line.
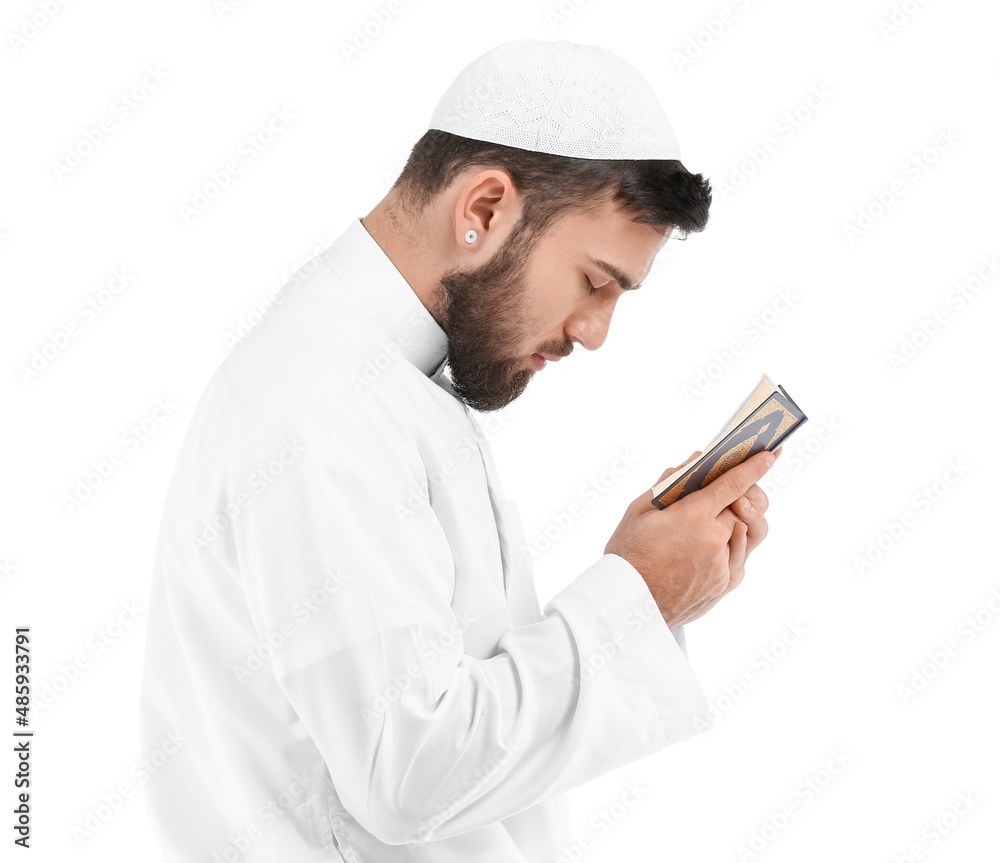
{"x":489,"y":204}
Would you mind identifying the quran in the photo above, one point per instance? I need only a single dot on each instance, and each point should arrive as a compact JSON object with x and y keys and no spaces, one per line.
{"x":763,"y":422}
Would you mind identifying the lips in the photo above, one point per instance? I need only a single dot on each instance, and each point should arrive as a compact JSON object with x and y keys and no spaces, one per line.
{"x":539,"y":361}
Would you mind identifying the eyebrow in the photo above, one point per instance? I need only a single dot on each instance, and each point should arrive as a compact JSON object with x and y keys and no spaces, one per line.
{"x":618,"y":275}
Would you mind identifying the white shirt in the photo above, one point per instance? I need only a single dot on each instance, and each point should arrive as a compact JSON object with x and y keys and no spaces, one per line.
{"x":344,"y":642}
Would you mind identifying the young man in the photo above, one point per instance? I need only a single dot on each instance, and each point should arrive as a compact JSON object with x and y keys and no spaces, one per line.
{"x":343,"y":629}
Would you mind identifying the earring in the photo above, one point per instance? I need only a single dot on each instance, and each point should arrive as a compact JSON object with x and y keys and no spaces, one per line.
{"x":471,"y":236}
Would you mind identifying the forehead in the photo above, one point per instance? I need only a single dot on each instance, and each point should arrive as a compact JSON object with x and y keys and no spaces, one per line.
{"x":604,"y":233}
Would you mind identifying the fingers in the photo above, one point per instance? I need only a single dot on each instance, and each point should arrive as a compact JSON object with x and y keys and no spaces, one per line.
{"x":737,"y":554}
{"x":754,"y":519}
{"x":734,"y":483}
{"x":736,"y":549}
{"x":758,"y":500}
{"x":729,"y":517}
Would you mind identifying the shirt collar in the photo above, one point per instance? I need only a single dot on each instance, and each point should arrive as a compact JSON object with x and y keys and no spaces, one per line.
{"x":392,"y":304}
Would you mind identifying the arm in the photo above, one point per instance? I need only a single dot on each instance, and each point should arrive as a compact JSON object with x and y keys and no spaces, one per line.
{"x":422,"y":740}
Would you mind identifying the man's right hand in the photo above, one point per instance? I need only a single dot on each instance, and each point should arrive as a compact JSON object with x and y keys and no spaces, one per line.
{"x":692,"y":553}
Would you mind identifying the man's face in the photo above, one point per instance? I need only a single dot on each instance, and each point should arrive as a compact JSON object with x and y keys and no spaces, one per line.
{"x":539,"y":301}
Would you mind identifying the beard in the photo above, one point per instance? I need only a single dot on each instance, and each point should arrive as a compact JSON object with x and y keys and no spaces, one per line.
{"x":486,"y":320}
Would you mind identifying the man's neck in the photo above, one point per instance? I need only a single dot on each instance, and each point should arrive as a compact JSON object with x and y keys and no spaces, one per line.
{"x":406,"y":246}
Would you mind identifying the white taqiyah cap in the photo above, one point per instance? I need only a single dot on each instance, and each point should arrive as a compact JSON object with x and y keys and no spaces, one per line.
{"x":557,"y":97}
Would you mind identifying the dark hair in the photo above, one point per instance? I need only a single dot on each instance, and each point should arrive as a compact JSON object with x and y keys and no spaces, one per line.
{"x":655,"y":192}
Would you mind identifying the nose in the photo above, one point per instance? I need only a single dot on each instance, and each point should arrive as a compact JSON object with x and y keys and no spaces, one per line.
{"x":590,"y":326}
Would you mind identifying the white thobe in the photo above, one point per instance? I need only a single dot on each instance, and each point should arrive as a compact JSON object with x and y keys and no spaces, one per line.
{"x":344,"y":642}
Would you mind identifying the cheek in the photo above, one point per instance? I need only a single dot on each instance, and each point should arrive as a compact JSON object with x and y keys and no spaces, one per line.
{"x":549,"y":305}
{"x":539,"y":326}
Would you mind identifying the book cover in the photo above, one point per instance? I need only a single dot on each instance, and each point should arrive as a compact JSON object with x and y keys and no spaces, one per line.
{"x":763,"y":422}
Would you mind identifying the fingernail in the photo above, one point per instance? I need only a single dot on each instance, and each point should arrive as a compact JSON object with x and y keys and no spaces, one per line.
{"x":769,"y":459}
{"x":746,"y":503}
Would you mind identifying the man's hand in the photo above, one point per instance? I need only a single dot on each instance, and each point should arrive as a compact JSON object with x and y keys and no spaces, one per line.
{"x":693,"y":553}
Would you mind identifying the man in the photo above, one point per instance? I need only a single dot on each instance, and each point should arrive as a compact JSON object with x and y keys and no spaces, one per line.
{"x":344,"y":635}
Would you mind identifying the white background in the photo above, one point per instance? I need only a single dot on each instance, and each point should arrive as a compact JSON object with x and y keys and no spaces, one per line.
{"x":909,"y":97}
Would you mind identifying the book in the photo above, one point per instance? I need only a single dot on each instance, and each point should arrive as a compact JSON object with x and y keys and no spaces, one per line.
{"x":763,"y":422}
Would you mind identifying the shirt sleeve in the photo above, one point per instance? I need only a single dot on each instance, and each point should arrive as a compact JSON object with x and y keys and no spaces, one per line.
{"x":422,"y":740}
